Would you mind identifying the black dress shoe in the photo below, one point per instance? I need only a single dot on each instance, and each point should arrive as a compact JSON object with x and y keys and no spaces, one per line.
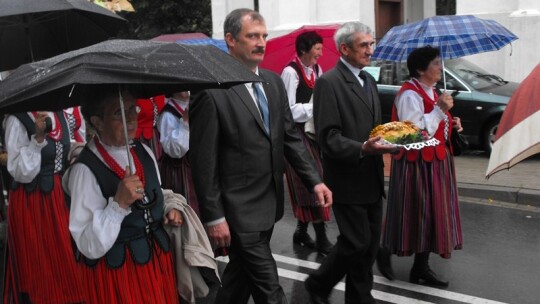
{"x":313,"y":297}
{"x":384,"y":263}
{"x":428,"y":276}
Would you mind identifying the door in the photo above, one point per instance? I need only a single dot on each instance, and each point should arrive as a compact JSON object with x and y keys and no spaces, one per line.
{"x":388,"y":13}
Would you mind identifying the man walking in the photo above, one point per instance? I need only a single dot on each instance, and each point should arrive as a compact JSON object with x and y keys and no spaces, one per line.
{"x":346,"y":109}
{"x":239,"y":138}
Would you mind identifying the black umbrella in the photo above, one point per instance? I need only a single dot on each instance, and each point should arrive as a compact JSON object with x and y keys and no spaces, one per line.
{"x":32,"y":30}
{"x":152,"y":68}
{"x":149,"y":67}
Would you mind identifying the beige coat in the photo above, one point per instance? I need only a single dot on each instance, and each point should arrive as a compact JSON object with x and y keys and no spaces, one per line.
{"x":191,"y":249}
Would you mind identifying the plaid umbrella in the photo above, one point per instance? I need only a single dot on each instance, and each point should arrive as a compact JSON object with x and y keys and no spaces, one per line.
{"x":455,"y":36}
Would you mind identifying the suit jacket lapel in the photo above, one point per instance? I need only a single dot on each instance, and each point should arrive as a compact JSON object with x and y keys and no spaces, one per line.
{"x":355,"y":85}
{"x":247,"y":100}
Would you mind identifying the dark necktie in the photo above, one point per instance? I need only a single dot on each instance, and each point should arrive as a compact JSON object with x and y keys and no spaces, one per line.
{"x":263,"y":106}
{"x":366,"y":87}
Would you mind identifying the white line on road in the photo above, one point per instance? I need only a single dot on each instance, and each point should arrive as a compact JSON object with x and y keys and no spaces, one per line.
{"x":379,"y":295}
{"x":398,"y":284}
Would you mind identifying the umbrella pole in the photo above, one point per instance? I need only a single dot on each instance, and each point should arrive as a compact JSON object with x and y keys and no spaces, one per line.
{"x":124,"y":123}
{"x":443,"y":75}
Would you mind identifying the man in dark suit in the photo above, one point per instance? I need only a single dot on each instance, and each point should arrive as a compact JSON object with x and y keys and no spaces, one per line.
{"x":239,"y":139}
{"x":346,"y":109}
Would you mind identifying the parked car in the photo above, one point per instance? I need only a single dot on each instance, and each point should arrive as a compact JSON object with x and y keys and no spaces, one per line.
{"x":479,"y":96}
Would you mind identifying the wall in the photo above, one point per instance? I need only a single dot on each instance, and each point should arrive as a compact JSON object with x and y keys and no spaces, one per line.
{"x":513,"y":62}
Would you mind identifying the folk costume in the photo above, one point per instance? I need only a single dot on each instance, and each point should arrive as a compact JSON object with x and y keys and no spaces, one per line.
{"x":423,"y":209}
{"x":147,"y":131}
{"x":40,"y":265}
{"x":126,"y":251}
{"x":299,"y":81}
{"x":174,"y":138}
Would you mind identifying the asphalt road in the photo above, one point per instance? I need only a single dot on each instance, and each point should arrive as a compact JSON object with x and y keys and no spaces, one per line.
{"x":499,"y":262}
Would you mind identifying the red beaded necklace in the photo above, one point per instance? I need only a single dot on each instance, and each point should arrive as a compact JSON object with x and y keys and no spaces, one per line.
{"x":113,"y":164}
{"x":309,"y":82}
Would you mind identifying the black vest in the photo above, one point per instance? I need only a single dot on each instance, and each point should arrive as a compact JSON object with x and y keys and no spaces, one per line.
{"x":303,"y":92}
{"x":133,"y":237}
{"x":45,"y":177}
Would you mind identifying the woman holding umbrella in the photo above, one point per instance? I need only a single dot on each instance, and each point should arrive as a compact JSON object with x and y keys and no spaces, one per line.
{"x":423,"y":211}
{"x":40,"y":265}
{"x":299,"y":77}
{"x":117,"y":212}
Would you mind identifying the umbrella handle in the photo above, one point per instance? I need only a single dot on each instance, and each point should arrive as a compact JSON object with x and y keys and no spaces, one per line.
{"x":124,"y":123}
{"x":443,"y":75}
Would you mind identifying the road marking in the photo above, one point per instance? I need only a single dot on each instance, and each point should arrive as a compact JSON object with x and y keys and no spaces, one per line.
{"x":379,"y":295}
{"x":398,"y":284}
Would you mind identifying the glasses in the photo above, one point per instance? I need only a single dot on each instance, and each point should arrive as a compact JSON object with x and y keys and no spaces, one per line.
{"x":133,"y":110}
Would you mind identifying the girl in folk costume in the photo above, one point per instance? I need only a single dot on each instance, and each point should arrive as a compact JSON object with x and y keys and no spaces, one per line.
{"x":173,"y":126}
{"x":117,"y":215}
{"x":40,"y":265}
{"x":147,"y":132}
{"x":423,"y":209}
{"x":299,"y":78}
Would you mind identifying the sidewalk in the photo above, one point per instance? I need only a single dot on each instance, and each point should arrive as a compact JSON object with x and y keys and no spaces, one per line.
{"x":519,"y":185}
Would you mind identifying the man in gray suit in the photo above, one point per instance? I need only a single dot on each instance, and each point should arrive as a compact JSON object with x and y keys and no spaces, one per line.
{"x":239,"y":139}
{"x":346,"y":109}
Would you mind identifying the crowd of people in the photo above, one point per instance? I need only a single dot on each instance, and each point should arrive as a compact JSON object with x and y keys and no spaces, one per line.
{"x":136,"y":209}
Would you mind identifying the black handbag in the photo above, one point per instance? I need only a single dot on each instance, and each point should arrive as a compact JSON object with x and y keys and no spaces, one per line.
{"x":460,"y":144}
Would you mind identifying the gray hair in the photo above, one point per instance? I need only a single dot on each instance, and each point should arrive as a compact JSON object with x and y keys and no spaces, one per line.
{"x":345,"y":34}
{"x":233,"y":21}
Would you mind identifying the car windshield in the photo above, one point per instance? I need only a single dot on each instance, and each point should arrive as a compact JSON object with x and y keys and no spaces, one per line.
{"x":474,"y":75}
{"x":393,"y":73}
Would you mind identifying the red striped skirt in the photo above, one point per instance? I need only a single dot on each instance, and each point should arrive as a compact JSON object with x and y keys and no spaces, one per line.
{"x":423,"y":209}
{"x":303,"y":201}
{"x":153,"y":282}
{"x":40,"y":260}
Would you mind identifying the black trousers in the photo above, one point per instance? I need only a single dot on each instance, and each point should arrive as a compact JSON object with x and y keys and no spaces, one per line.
{"x":354,"y":253}
{"x":251,"y":271}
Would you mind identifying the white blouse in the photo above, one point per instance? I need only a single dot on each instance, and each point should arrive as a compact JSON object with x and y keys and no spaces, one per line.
{"x":24,"y":155}
{"x":174,"y":132}
{"x":94,"y":222}
{"x":410,"y":106}
{"x":301,"y":112}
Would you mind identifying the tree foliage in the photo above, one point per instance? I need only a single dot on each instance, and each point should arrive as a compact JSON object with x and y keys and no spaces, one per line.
{"x":156,"y":17}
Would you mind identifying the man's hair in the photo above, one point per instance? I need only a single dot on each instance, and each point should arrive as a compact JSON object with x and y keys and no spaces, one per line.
{"x":233,"y":21}
{"x":305,"y":41}
{"x":345,"y":34}
{"x":419,"y":59}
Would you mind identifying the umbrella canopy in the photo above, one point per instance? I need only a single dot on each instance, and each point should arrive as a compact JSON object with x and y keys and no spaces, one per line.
{"x":179,"y":36}
{"x":282,"y":50}
{"x":152,"y":67}
{"x":517,"y":134}
{"x":219,"y":43}
{"x":456,"y":36}
{"x":32,"y":30}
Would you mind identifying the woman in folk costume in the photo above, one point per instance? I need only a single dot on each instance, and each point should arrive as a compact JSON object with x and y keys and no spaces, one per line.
{"x":173,"y":126}
{"x":147,"y":132}
{"x":423,"y":209}
{"x":40,"y":265}
{"x":117,"y":213}
{"x":299,"y":77}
